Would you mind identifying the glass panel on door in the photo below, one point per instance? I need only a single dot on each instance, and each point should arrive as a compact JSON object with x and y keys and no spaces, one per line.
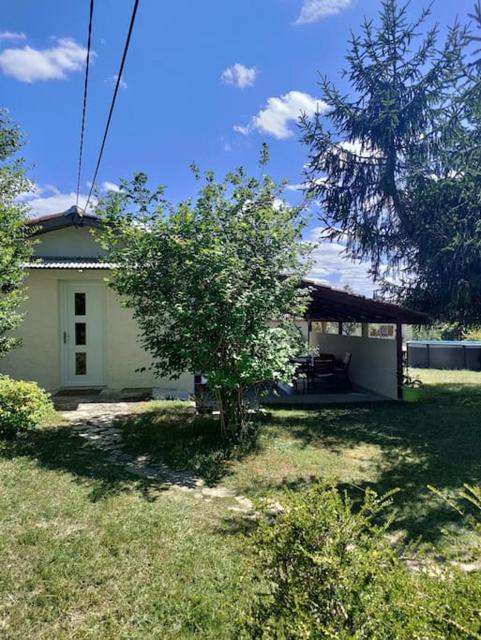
{"x":80,"y":333}
{"x":80,"y":304}
{"x":81,"y":364}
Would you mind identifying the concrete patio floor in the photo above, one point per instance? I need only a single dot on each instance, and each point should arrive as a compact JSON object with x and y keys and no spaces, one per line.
{"x":71,"y":400}
{"x":299,"y":399}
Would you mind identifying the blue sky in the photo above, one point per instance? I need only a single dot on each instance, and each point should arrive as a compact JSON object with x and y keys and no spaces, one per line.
{"x":205,"y":80}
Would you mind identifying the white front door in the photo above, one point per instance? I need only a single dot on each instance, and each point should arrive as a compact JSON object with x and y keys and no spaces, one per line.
{"x":82,"y":334}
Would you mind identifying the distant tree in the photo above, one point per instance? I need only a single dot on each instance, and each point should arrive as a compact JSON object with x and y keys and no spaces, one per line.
{"x":349,"y":328}
{"x":396,"y":167}
{"x":213,"y":283}
{"x":14,"y":249}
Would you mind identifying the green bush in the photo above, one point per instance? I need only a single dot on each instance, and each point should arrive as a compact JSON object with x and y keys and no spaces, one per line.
{"x":23,"y":405}
{"x":328,"y":571}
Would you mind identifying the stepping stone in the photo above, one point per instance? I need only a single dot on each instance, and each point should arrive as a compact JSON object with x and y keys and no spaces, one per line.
{"x":245,"y":503}
{"x":218,"y":492}
{"x":95,"y":424}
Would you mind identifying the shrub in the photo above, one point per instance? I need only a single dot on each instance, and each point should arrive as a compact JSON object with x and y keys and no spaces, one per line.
{"x":330,"y":572}
{"x":23,"y":405}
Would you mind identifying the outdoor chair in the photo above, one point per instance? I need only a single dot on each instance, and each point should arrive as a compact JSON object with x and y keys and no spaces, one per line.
{"x":301,"y":378}
{"x":341,"y":372}
{"x":321,"y":375}
{"x":326,"y":356}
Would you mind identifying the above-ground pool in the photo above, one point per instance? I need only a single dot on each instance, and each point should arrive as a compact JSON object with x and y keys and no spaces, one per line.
{"x":444,"y":354}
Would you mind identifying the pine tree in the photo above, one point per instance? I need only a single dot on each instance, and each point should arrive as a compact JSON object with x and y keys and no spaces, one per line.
{"x":394,"y":166}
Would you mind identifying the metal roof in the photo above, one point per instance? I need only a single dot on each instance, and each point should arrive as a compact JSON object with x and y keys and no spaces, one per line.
{"x":70,"y":262}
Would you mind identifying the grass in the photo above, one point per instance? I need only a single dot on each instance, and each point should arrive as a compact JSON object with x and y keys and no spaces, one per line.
{"x":383,"y":446}
{"x":88,"y":552}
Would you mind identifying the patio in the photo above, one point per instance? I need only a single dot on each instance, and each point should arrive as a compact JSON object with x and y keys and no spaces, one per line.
{"x":349,"y":361}
{"x":282,"y":396}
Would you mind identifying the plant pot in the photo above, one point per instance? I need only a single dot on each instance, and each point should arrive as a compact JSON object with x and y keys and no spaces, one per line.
{"x":413,"y":394}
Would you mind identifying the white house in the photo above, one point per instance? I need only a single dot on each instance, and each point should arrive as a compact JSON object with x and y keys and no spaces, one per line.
{"x":75,"y":332}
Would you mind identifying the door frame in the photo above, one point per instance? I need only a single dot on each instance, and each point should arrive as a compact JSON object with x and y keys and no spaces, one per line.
{"x":63,"y":326}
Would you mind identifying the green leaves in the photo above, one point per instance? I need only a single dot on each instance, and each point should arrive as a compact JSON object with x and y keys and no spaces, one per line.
{"x":327,"y":569}
{"x":213,"y":284}
{"x":14,"y":247}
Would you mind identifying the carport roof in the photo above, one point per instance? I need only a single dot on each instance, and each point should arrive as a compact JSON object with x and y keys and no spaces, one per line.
{"x":335,"y":305}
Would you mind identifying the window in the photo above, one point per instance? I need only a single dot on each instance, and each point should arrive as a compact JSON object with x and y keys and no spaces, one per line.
{"x":352,"y":329}
{"x":80,"y":333}
{"x":382,"y":331}
{"x":80,"y":304}
{"x":332,"y":328}
{"x":81,"y":364}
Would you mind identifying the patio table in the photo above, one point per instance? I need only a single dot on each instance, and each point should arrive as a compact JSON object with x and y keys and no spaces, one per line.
{"x":310,"y":369}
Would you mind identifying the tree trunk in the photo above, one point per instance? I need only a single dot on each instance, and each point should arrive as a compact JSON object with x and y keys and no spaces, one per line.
{"x":232,"y":412}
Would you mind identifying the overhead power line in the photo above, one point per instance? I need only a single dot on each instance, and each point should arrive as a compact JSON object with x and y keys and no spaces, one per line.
{"x":86,"y":85}
{"x":114,"y":98}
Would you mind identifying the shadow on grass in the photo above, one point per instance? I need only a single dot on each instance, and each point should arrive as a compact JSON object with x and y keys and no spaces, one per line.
{"x":435,"y":442}
{"x":184,"y":440}
{"x":58,"y":448}
{"x":172,"y":435}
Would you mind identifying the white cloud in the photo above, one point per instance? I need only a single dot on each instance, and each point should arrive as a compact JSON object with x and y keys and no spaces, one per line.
{"x":31,"y":65}
{"x":314,"y":10}
{"x":12,"y":35}
{"x":239,"y":75}
{"x":48,"y":199}
{"x":279,"y":204}
{"x":331,"y":267}
{"x":241,"y":129}
{"x":361,"y":149}
{"x":296,"y":187}
{"x":279,"y":112}
{"x":110,"y":186}
{"x":113,"y":79}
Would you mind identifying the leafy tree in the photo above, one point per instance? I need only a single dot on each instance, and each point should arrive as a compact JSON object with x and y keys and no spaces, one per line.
{"x":213,"y":283}
{"x":14,"y":250}
{"x":396,"y":169}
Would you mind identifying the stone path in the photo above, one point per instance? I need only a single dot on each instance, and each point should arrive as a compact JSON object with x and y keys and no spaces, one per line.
{"x":95,"y":423}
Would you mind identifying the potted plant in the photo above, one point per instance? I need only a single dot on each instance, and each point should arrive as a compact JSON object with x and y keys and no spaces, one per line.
{"x":413,"y":389}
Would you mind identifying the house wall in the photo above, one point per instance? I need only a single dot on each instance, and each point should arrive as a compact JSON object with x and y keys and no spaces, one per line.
{"x":39,"y":356}
{"x":74,"y":242}
{"x":373,"y":364}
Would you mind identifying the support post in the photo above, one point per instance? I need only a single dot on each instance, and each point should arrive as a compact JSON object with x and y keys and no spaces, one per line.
{"x":399,"y":360}
{"x":339,"y":328}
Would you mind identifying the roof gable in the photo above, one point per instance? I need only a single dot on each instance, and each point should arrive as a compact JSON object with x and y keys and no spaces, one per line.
{"x":73,"y":217}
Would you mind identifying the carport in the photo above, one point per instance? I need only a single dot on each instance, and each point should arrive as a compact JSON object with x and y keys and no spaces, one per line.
{"x":377,"y":361}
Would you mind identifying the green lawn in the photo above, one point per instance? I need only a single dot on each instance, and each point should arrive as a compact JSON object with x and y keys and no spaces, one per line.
{"x":88,"y":552}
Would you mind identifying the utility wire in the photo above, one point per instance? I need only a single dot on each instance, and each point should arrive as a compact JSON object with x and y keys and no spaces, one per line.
{"x":114,"y":97}
{"x":84,"y":108}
